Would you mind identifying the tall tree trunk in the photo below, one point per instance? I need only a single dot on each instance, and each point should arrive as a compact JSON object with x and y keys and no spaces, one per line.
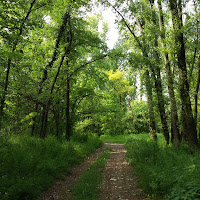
{"x":34,"y":120}
{"x":57,"y":120}
{"x":44,"y":121}
{"x":174,"y":116}
{"x":189,"y":125}
{"x":196,"y":93}
{"x":161,"y":103}
{"x":141,"y":89}
{"x":4,"y":93}
{"x":152,"y":127}
{"x":198,"y":79}
{"x":157,"y":79}
{"x":68,"y":122}
{"x":45,"y":112}
{"x":3,"y":98}
{"x":196,"y":41}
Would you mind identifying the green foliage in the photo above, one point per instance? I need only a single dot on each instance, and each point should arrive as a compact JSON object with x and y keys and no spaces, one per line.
{"x":87,"y":187}
{"x":28,"y":163}
{"x":165,"y":172}
{"x":121,"y":139}
{"x":139,"y":117}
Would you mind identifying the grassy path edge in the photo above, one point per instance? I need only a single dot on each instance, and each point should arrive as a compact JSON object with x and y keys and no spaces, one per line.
{"x":87,"y":186}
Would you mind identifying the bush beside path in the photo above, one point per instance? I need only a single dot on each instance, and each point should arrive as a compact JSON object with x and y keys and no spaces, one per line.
{"x":118,"y":183}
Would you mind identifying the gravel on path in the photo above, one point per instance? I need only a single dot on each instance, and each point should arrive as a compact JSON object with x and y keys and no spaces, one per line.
{"x":119,"y":183}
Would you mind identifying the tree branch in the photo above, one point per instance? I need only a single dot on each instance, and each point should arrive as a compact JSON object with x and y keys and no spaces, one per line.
{"x":67,"y":50}
{"x":90,"y":62}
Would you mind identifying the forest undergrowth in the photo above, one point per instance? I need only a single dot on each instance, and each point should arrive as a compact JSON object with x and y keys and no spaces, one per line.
{"x":29,"y":165}
{"x":165,"y":172}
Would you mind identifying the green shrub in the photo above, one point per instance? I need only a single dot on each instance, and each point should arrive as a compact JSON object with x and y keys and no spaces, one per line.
{"x":165,"y":172}
{"x":29,"y":162}
{"x":80,"y":137}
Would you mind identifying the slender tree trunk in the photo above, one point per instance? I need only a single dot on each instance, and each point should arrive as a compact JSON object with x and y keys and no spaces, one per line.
{"x":4,"y":93}
{"x":141,"y":89}
{"x":189,"y":125}
{"x":157,"y":79}
{"x":161,"y":103}
{"x":68,"y":122}
{"x":34,"y":121}
{"x":196,"y":93}
{"x":45,"y":112}
{"x":152,"y":127}
{"x":57,"y":120}
{"x":174,"y":116}
{"x":196,"y":41}
{"x":44,"y":121}
{"x":3,"y":98}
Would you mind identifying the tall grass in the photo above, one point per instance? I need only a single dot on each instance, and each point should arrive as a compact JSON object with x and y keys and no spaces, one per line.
{"x":165,"y":172}
{"x":29,"y":165}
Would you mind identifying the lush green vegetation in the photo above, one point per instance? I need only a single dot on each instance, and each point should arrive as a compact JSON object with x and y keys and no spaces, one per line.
{"x":165,"y":172}
{"x":58,"y":77}
{"x":29,"y":165}
{"x":87,"y":187}
{"x":122,"y":139}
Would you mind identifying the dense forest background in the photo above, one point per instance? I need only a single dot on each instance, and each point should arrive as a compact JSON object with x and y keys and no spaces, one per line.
{"x":59,"y":77}
{"x":61,"y":87}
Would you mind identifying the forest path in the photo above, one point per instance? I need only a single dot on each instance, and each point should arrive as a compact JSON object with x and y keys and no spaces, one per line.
{"x":119,"y":183}
{"x":61,"y":189}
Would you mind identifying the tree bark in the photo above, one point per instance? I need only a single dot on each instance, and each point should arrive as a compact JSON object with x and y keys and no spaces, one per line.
{"x":196,"y":92}
{"x":157,"y":79}
{"x":161,"y":103}
{"x":45,"y":112}
{"x":152,"y":123}
{"x":44,"y":121}
{"x":57,"y":120}
{"x":34,"y":120}
{"x":189,"y":126}
{"x":68,"y":122}
{"x":174,"y":116}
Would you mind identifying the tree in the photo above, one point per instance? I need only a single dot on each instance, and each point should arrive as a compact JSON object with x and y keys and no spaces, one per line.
{"x":189,"y":125}
{"x":13,"y":33}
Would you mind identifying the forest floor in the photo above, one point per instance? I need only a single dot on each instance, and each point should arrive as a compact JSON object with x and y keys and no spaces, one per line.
{"x":119,"y":182}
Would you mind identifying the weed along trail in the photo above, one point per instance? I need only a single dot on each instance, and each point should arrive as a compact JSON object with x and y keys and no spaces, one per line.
{"x":61,"y":190}
{"x":105,"y":175}
{"x":118,"y":181}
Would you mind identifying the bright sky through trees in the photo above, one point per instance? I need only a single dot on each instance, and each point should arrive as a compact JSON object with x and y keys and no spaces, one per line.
{"x":109,"y":17}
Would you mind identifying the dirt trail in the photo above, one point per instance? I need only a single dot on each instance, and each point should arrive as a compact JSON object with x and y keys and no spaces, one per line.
{"x":118,"y":181}
{"x":61,"y":189}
